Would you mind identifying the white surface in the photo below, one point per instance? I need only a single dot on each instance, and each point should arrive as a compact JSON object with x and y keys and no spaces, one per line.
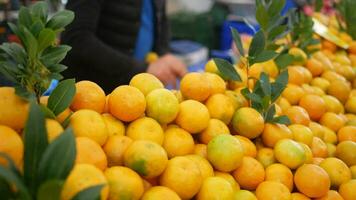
{"x":196,"y":6}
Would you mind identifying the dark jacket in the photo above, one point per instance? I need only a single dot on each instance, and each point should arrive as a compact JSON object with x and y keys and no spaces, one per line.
{"x":103,"y":37}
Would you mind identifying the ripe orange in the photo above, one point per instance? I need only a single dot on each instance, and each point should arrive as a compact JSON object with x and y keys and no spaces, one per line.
{"x":127,"y":103}
{"x":333,"y":104}
{"x":290,"y":153}
{"x":115,"y":148}
{"x":317,"y":129}
{"x":220,"y":107}
{"x":225,"y":152}
{"x":339,"y":89}
{"x":201,"y":150}
{"x":237,"y":84}
{"x":326,"y":44}
{"x":244,"y":195}
{"x":114,"y":126}
{"x":331,"y":195}
{"x":347,"y":190}
{"x":314,"y":105}
{"x":215,"y":188}
{"x":183,"y":176}
{"x":298,"y":115}
{"x":337,"y":170}
{"x":146,"y":158}
{"x":146,"y":83}
{"x":89,"y":152}
{"x":88,"y":95}
{"x":293,"y":93}
{"x":350,"y":105}
{"x":229,"y":178}
{"x":272,"y":190}
{"x":296,"y":76}
{"x":299,"y":55}
{"x":332,"y":76}
{"x":145,"y":128}
{"x":248,"y":146}
{"x":266,"y":157}
{"x":195,"y":86}
{"x":353,"y":171}
{"x":346,"y":152}
{"x":347,"y":133}
{"x":283,"y":104}
{"x":329,"y":136}
{"x":215,"y":127}
{"x":205,"y":167}
{"x":299,"y":196}
{"x":319,"y":148}
{"x":332,"y":121}
{"x":312,"y":180}
{"x":250,"y":174}
{"x":272,"y":133}
{"x":11,"y":144}
{"x":320,"y":83}
{"x":54,"y":129}
{"x":177,"y":142}
{"x":248,"y":122}
{"x":193,"y":116}
{"x":280,"y":173}
{"x":211,"y":67}
{"x":237,"y":99}
{"x":160,"y":192}
{"x":60,"y":117}
{"x":315,"y":67}
{"x":217,"y":84}
{"x":352,"y":47}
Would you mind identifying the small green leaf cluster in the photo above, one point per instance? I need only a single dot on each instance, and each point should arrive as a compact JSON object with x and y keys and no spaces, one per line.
{"x":346,"y":9}
{"x":33,"y":64}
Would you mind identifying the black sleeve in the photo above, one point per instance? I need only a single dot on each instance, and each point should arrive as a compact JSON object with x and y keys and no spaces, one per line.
{"x":88,"y":51}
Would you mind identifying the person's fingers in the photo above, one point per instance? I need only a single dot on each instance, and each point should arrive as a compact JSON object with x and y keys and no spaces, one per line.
{"x":179,"y":69}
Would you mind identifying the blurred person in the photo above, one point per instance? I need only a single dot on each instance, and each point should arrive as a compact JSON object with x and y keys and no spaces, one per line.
{"x":111,"y":38}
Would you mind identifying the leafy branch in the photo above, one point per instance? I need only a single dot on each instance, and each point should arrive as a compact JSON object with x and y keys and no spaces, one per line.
{"x":347,"y":13}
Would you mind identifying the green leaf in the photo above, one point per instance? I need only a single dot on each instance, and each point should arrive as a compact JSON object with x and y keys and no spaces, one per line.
{"x":319,"y":5}
{"x":283,"y":61}
{"x":50,"y":190}
{"x":276,"y":7}
{"x":62,"y":96}
{"x":25,"y":17}
{"x":264,"y":56}
{"x":237,"y":40}
{"x":265,"y":84}
{"x":90,"y":193}
{"x":40,"y":10}
{"x":251,"y":96}
{"x":30,"y":43}
{"x":11,"y":178}
{"x":66,"y":122}
{"x":47,"y":112}
{"x":56,"y":76}
{"x":227,"y":70}
{"x":10,"y":164}
{"x":270,"y":113}
{"x":54,"y":55}
{"x":258,"y":44}
{"x":5,"y":190}
{"x":262,"y":16}
{"x":282,"y":120}
{"x":58,"y":159}
{"x":24,"y":93}
{"x":35,"y":144}
{"x":277,"y":31}
{"x":15,"y":51}
{"x":36,"y":28}
{"x":46,"y":38}
{"x":279,"y":85}
{"x":14,"y":28}
{"x":60,"y":20}
{"x":57,"y":68}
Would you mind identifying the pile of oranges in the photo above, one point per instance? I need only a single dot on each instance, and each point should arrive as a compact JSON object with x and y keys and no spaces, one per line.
{"x":204,"y":141}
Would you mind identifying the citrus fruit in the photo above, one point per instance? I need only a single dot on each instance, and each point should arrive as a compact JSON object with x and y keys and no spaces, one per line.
{"x":347,"y":133}
{"x":299,"y":196}
{"x":339,"y":89}
{"x":266,"y":157}
{"x":82,"y":177}
{"x":272,"y":133}
{"x":248,"y":146}
{"x":333,"y":104}
{"x":146,"y":158}
{"x":298,"y":115}
{"x":350,"y":105}
{"x":337,"y":170}
{"x":319,"y":148}
{"x":289,"y":153}
{"x":250,"y":174}
{"x":146,"y":83}
{"x":280,"y":173}
{"x":243,"y":75}
{"x":317,"y":129}
{"x":13,"y":109}
{"x":295,"y":75}
{"x":11,"y":144}
{"x":228,"y":177}
{"x":220,"y":107}
{"x":160,"y":192}
{"x":211,"y":67}
{"x":54,"y":129}
{"x":353,"y":171}
{"x":201,"y":150}
{"x":115,"y":148}
{"x":127,"y":103}
{"x":332,"y":76}
{"x":88,"y":123}
{"x":217,"y":84}
{"x":302,"y":133}
{"x":61,"y":117}
{"x":312,"y":180}
{"x":244,"y":195}
{"x":329,"y":136}
{"x":346,"y":152}
{"x":320,"y":83}
{"x":347,"y":190}
{"x":114,"y":126}
{"x":193,"y":116}
{"x":314,"y":105}
{"x":177,"y":142}
{"x":272,"y":190}
{"x":293,"y":93}
{"x":145,"y":128}
{"x":225,"y":152}
{"x":205,"y":167}
{"x":183,"y":176}
{"x":326,"y":44}
{"x":88,"y":95}
{"x":331,"y":195}
{"x":308,"y":153}
{"x":215,"y":188}
{"x":283,"y":104}
{"x":89,"y":152}
{"x":195,"y":86}
{"x":248,"y":122}
{"x":215,"y":127}
{"x":315,"y":67}
{"x":332,"y":121}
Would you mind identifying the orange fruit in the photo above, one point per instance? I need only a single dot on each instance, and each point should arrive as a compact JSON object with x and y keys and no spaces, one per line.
{"x":283,"y":104}
{"x":88,"y":123}
{"x":272,"y":133}
{"x":215,"y":127}
{"x":114,"y":126}
{"x":339,"y":89}
{"x":211,"y":67}
{"x":353,"y":171}
{"x":272,"y":190}
{"x":237,"y":84}
{"x":312,"y":180}
{"x":347,"y":133}
{"x":177,"y":142}
{"x":332,"y":121}
{"x":127,"y":103}
{"x":13,"y":109}
{"x":350,"y":105}
{"x":82,"y":177}
{"x":352,"y":47}
{"x":331,"y":149}
{"x":300,"y":57}
{"x":326,"y":44}
{"x":215,"y":188}
{"x":160,"y":192}
{"x":88,"y":95}
{"x":307,"y":75}
{"x":183,"y":176}
{"x":317,"y":129}
{"x":146,"y":83}
{"x":146,"y":158}
{"x":205,"y":167}
{"x":347,"y":190}
{"x":302,"y":133}
{"x":331,"y":195}
{"x":346,"y":152}
{"x":195,"y":86}
{"x":299,"y":196}
{"x":248,"y":146}
{"x":255,"y":70}
{"x":201,"y":150}
{"x":337,"y":170}
{"x":319,"y":148}
{"x":308,"y":153}
{"x":11,"y":144}
{"x":250,"y":174}
{"x":217,"y":84}
{"x":115,"y":148}
{"x":237,"y":99}
{"x":293,"y":93}
{"x":54,"y":129}
{"x":298,"y":115}
{"x":266,"y":157}
{"x":290,"y":153}
{"x":145,"y":128}
{"x":89,"y":152}
{"x":61,"y":117}
{"x":329,"y":136}
{"x":332,"y":76}
{"x":315,"y":67}
{"x":220,"y":107}
{"x":229,"y":178}
{"x":280,"y":173}
{"x":248,"y":122}
{"x":320,"y":83}
{"x":225,"y":152}
{"x":244,"y":195}
{"x":193,"y":116}
{"x":314,"y":105}
{"x":296,"y":76}
{"x":333,"y":104}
